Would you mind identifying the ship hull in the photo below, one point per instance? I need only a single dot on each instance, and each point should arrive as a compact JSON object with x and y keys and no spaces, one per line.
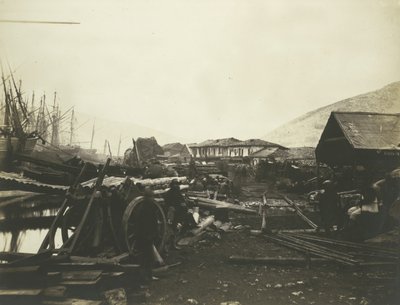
{"x":6,"y":149}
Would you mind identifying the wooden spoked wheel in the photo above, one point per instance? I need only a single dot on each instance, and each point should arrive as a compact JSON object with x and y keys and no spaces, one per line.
{"x":70,"y":222}
{"x":131,"y":213}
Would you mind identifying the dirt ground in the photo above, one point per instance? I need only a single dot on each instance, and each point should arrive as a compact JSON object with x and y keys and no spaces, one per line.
{"x":206,"y":277}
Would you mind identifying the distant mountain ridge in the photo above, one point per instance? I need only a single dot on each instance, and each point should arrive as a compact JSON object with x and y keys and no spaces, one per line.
{"x":306,"y":129}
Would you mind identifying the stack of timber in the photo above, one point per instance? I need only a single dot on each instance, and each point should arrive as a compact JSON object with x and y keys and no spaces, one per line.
{"x":12,"y":181}
{"x":157,"y":183}
{"x":342,"y":252}
{"x":73,"y":281}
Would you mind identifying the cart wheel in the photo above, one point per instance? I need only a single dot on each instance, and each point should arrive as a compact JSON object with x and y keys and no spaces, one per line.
{"x":131,"y":213}
{"x":70,"y":222}
{"x":68,"y":225}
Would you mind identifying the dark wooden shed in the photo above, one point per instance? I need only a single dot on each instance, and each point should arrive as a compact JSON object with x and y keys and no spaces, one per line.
{"x":361,"y":138}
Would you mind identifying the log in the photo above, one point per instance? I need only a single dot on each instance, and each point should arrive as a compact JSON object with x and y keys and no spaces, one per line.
{"x":216,"y":204}
{"x":86,"y":266}
{"x":163,"y":191}
{"x":99,"y":260}
{"x":20,"y":292}
{"x":203,"y":225}
{"x":237,"y":259}
{"x":54,"y":291}
{"x":187,"y":241}
{"x":259,"y":232}
{"x":115,"y":181}
{"x":72,"y":302}
{"x":12,"y":256}
{"x":165,"y":268}
{"x":81,"y":275}
{"x":299,"y":212}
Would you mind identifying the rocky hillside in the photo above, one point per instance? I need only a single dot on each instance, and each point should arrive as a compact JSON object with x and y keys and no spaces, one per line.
{"x":306,"y":129}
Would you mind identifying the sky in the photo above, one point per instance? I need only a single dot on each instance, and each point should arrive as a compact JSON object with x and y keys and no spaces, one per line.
{"x":202,"y":69}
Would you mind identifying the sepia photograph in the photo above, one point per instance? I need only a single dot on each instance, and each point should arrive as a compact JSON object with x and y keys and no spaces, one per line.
{"x":200,"y":152}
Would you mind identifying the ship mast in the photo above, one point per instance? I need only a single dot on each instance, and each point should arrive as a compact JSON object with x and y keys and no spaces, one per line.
{"x":7,"y":106}
{"x":119,"y":145}
{"x":71,"y":136}
{"x":91,"y":140}
{"x":55,"y":123}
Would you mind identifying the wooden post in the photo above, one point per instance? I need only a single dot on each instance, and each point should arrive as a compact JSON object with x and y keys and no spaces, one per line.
{"x":97,"y":186}
{"x":109,"y":149}
{"x":264,"y":215}
{"x":136,"y":150}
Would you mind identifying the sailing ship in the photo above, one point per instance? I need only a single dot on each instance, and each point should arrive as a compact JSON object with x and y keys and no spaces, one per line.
{"x":16,"y":135}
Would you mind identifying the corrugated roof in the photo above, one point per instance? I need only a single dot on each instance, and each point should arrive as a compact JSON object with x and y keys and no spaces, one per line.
{"x":366,"y":130}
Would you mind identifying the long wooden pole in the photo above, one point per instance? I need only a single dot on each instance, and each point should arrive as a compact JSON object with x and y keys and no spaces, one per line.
{"x":98,"y":184}
{"x":299,"y":212}
{"x":48,"y":241}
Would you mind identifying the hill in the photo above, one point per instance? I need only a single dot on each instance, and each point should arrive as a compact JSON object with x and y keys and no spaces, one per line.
{"x":306,"y":129}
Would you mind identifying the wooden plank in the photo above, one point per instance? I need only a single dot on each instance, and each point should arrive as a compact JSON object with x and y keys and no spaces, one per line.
{"x":98,"y":260}
{"x":72,"y":302}
{"x":38,"y":258}
{"x":165,"y":268}
{"x":9,"y":269}
{"x":53,"y":276}
{"x":86,"y":266}
{"x":54,"y":291}
{"x":80,"y":283}
{"x":81,"y":275}
{"x":12,"y":256}
{"x":20,"y":292}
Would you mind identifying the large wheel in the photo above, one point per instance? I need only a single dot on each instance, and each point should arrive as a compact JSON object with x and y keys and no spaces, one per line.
{"x":131,"y":213}
{"x":70,"y":221}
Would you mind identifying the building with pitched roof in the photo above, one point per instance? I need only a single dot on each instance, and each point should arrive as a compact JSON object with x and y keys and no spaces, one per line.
{"x":361,"y":138}
{"x":229,"y":148}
